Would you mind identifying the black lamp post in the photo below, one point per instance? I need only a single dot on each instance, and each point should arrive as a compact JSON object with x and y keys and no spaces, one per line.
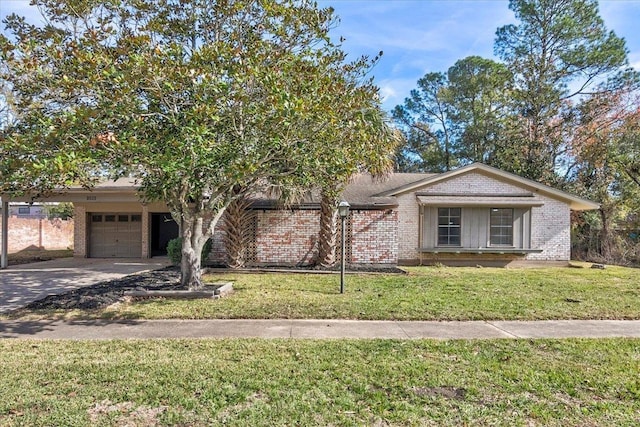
{"x":343,"y":211}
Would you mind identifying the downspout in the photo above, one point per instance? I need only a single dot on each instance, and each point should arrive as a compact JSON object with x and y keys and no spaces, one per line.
{"x":420,"y":231}
{"x":4,"y":260}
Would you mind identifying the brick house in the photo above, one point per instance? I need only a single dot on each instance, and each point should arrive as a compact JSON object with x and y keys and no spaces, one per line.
{"x":473,"y":215}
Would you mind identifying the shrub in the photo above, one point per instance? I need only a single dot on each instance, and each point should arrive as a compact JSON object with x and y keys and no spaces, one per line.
{"x":174,"y":250}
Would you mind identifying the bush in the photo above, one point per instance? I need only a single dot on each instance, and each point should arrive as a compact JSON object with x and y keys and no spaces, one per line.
{"x":174,"y":250}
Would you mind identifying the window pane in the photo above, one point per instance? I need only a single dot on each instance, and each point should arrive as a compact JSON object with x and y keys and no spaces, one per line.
{"x":123,"y":218}
{"x":109,"y":218}
{"x":96,"y":218}
{"x":501,"y":225}
{"x":449,"y":221}
{"x":136,"y":218}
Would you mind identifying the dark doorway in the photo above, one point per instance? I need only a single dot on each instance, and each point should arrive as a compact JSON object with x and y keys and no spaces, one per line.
{"x":163,"y":229}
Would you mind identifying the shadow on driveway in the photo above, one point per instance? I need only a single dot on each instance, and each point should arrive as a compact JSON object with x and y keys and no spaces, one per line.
{"x":23,"y":284}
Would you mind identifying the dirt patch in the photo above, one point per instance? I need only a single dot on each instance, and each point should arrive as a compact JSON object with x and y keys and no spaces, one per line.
{"x":125,"y":414}
{"x":443,"y":391}
{"x":231,"y":411}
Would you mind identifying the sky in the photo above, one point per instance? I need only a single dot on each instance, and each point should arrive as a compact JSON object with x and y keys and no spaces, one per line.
{"x":421,"y":36}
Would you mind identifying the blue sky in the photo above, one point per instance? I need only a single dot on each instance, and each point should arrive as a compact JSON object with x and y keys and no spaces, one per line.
{"x":420,"y":36}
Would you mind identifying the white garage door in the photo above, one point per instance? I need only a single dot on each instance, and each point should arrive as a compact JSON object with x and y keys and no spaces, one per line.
{"x":115,"y":235}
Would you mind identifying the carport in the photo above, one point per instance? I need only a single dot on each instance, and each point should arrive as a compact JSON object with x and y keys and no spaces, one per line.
{"x":111,"y":220}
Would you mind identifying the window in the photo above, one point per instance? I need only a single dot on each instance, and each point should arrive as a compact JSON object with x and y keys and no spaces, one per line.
{"x":96,"y":218}
{"x":136,"y":218}
{"x":501,"y":227}
{"x":25,"y":210}
{"x":123,"y":218}
{"x":109,"y":218}
{"x":449,"y":226}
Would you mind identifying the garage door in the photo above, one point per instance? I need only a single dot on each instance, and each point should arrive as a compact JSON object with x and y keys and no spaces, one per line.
{"x":115,"y":235}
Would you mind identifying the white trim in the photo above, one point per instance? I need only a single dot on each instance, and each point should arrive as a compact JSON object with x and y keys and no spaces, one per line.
{"x":479,"y":201}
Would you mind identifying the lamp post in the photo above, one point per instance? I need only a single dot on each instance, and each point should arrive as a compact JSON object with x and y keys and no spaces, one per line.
{"x":343,"y":211}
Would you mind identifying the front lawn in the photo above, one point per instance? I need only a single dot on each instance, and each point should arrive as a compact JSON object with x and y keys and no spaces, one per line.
{"x":426,"y":293}
{"x":336,"y":382}
{"x":27,"y":256}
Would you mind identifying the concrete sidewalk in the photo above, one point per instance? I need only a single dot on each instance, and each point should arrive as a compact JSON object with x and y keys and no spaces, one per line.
{"x":315,"y":329}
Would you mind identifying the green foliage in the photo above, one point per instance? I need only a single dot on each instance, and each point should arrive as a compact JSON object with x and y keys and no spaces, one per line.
{"x":518,"y":115}
{"x":191,"y":98}
{"x":558,"y":52}
{"x":455,"y":118}
{"x":174,"y":250}
{"x":62,"y":210}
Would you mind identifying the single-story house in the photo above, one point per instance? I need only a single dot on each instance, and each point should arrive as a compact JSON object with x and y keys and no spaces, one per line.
{"x":472,"y":215}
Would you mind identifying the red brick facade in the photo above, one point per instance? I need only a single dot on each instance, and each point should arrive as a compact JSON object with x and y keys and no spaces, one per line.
{"x":32,"y":233}
{"x":290,"y":237}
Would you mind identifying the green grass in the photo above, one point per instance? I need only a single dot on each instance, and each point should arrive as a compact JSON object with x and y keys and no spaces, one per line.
{"x":342,"y":383}
{"x":35,"y":255}
{"x":424,"y":294}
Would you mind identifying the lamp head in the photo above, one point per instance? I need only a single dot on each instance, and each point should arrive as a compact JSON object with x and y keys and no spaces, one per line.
{"x":343,"y":209}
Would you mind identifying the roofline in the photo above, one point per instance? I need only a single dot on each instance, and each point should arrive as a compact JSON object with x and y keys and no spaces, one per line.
{"x":575,"y":202}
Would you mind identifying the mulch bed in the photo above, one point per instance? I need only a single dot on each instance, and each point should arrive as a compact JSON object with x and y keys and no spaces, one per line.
{"x":109,"y":292}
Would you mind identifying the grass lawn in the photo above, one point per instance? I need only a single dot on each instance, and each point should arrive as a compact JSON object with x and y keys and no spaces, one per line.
{"x":343,"y":382}
{"x":35,"y":255}
{"x":426,"y":293}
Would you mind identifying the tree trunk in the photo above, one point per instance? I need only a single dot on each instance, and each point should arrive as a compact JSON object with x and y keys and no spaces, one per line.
{"x":196,"y":226}
{"x":237,"y":227}
{"x":328,"y":236}
{"x":193,"y":241}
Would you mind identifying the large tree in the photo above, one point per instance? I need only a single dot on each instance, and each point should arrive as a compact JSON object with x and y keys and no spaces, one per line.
{"x":425,"y":120}
{"x":193,"y":98}
{"x":455,"y":118}
{"x":559,"y":51}
{"x":477,"y":93}
{"x":606,"y":151}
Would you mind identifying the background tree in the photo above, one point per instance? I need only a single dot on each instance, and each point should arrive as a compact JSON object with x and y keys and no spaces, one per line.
{"x":454,"y":119}
{"x":559,"y":51}
{"x":478,"y":93}
{"x":192,"y":98}
{"x":608,"y":121}
{"x":425,"y":120}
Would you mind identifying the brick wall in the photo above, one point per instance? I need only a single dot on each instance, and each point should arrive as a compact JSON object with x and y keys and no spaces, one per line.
{"x":284,"y":237}
{"x":287,"y":237}
{"x":408,"y":226}
{"x":80,"y":232}
{"x":34,"y":233}
{"x":374,"y":237}
{"x":474,"y":183}
{"x":551,"y":231}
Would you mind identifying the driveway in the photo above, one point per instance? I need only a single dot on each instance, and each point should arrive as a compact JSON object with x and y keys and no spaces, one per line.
{"x":22,"y":284}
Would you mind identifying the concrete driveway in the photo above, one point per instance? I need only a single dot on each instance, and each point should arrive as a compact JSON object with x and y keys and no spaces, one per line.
{"x":22,"y":284}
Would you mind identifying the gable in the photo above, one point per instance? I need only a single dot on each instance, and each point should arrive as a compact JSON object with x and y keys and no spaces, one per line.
{"x":474,"y":183}
{"x":481,"y":180}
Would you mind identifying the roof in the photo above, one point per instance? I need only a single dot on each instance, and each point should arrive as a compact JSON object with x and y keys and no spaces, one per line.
{"x":574,"y":202}
{"x":366,"y":192}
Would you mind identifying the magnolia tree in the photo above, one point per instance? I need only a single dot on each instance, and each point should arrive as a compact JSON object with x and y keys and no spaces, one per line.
{"x":193,"y":98}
